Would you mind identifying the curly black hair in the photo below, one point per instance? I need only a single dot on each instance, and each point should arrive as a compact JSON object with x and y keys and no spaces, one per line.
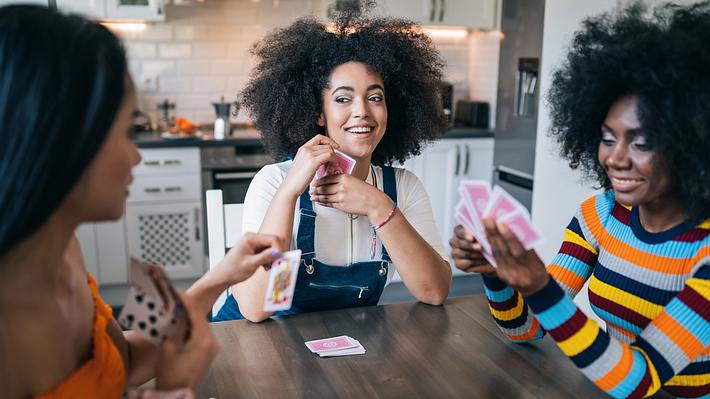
{"x":284,"y":94}
{"x":662,"y":58}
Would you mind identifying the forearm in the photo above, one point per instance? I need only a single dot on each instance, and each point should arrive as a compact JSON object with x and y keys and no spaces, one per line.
{"x":425,"y":273}
{"x":278,"y":221}
{"x":205,"y":291}
{"x":510,"y":312}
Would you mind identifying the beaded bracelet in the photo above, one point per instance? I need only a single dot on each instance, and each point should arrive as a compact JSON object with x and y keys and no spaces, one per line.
{"x":375,"y":228}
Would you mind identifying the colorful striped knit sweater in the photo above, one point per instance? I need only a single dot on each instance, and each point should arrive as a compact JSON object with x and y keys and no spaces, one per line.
{"x":652,"y":289}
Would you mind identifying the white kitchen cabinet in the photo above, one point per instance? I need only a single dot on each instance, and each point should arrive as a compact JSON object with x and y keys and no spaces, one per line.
{"x":164,"y":211}
{"x":142,"y":10}
{"x":103,"y":246}
{"x":441,"y":167}
{"x":476,"y":14}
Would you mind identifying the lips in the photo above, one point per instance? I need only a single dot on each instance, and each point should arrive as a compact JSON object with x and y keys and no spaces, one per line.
{"x":360,"y":129}
{"x":624,"y":184}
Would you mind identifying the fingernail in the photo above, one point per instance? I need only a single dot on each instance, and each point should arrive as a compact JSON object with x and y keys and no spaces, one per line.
{"x":179,"y":310}
{"x":275,"y":254}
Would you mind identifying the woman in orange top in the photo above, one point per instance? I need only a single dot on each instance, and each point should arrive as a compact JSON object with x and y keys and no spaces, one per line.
{"x":66,"y":107}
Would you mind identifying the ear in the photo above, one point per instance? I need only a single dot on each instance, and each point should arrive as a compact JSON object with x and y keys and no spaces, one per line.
{"x":320,"y":119}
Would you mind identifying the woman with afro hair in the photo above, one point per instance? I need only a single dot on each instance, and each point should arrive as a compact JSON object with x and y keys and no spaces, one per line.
{"x":369,"y":89}
{"x":631,"y":108}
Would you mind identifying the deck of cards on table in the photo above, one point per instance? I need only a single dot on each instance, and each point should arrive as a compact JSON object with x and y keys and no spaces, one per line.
{"x":282,"y":281}
{"x":152,"y":306}
{"x":345,"y":164}
{"x":479,"y":202}
{"x":336,"y":346}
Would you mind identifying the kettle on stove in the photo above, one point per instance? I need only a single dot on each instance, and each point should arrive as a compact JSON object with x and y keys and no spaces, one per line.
{"x":223,"y":110}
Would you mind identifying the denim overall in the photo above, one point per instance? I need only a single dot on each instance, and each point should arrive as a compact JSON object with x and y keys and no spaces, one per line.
{"x":320,"y":286}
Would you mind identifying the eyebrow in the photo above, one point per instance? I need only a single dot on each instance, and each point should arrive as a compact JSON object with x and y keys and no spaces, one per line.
{"x":632,"y":131}
{"x":369,"y":88}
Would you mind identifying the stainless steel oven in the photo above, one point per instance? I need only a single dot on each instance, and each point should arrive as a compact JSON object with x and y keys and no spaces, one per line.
{"x":230,"y":169}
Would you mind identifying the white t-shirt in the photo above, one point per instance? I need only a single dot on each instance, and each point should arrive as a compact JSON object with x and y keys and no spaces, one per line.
{"x":341,"y":240}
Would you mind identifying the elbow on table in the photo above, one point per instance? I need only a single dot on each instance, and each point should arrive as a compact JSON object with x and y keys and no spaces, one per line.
{"x":434,"y":297}
{"x":255,"y":316}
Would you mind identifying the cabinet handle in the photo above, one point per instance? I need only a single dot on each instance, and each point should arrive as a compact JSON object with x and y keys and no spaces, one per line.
{"x":458,"y":159}
{"x":151,"y":163}
{"x":442,"y":9}
{"x":152,"y":190}
{"x":172,"y":162}
{"x":465,"y":167}
{"x":197,"y":224}
{"x":432,"y":14}
{"x":173,"y":189}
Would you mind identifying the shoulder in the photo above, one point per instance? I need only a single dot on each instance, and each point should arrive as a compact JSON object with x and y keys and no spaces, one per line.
{"x":600,"y":206}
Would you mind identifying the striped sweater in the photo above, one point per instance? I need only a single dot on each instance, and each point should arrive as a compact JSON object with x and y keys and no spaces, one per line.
{"x":652,"y":290}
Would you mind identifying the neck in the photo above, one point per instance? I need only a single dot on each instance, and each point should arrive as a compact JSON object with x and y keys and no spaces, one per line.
{"x":660,"y":216}
{"x":38,"y":261}
{"x":362,"y":168}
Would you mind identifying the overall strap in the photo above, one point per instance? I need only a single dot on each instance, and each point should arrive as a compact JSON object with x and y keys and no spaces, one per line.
{"x":305,"y":239}
{"x":390,"y":188}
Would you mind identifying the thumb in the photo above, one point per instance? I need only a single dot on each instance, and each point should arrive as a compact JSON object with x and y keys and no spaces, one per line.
{"x":265,"y":257}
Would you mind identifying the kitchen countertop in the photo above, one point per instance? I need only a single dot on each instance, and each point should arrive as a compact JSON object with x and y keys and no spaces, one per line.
{"x":251,"y":136}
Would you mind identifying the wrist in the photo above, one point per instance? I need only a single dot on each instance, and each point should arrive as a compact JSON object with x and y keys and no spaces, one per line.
{"x":537,"y":285}
{"x":380,"y":211}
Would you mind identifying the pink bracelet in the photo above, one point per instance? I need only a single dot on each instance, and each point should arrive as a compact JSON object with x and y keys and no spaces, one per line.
{"x":387,"y":219}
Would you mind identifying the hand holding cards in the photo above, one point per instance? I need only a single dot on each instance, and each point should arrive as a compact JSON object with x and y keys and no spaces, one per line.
{"x":153,"y":307}
{"x":479,"y":202}
{"x":282,"y":282}
{"x":345,"y":165}
{"x":336,"y":346}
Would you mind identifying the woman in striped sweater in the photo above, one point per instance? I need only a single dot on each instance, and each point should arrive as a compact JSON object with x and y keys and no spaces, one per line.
{"x":631,"y":107}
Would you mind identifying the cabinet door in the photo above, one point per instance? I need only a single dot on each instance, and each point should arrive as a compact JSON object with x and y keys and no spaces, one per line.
{"x":480,"y":14}
{"x":89,"y":8}
{"x":145,"y":10}
{"x":416,"y":10}
{"x":168,"y":234}
{"x":86,"y":233}
{"x":477,"y":160}
{"x":442,"y":165}
{"x":111,"y":252}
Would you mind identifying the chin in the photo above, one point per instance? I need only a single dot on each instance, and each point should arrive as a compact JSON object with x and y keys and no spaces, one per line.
{"x":627,"y":199}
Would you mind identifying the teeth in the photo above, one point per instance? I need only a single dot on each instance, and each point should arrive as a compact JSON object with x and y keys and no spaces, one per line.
{"x":364,"y":129}
{"x":625,"y":181}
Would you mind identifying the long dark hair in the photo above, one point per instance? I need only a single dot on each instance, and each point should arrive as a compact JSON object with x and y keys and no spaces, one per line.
{"x":61,"y":85}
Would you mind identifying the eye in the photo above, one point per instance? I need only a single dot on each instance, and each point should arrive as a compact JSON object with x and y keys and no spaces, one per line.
{"x":342,"y":99}
{"x":641,"y":144}
{"x":608,"y":139}
{"x":376,"y":98}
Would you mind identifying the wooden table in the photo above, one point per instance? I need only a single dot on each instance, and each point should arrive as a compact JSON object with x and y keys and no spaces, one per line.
{"x":413,"y":350}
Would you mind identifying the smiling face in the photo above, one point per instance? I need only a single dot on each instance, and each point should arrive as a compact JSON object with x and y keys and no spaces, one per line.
{"x":354,"y":109}
{"x":638,"y":176}
{"x":101,"y":192}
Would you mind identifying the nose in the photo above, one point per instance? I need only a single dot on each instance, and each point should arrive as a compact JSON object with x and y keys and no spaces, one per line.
{"x":360,"y":108}
{"x":137,"y":157}
{"x":619,"y":157}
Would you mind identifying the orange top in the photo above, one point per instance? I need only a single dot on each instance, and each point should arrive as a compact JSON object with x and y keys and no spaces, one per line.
{"x":102,"y":376}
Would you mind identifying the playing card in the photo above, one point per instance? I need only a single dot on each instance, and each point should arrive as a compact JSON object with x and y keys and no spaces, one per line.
{"x":519,"y":223}
{"x":282,"y":282}
{"x":476,"y":194}
{"x":141,"y":313}
{"x":152,"y":301}
{"x":331,"y":344}
{"x":501,"y":204}
{"x":357,"y":350}
{"x":345,"y":164}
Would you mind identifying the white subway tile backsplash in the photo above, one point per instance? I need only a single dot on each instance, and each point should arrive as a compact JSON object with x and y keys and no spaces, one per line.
{"x":193,"y":67}
{"x":206,"y":49}
{"x":209,"y":85}
{"x":138,"y":50}
{"x":202,"y":52}
{"x":174,"y":86}
{"x":174,"y":50}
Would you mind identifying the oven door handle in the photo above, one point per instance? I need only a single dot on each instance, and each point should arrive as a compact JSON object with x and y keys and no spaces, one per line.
{"x":234,"y":175}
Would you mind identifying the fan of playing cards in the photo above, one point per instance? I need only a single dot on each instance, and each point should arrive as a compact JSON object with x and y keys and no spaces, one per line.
{"x":479,"y":202}
{"x":336,"y":346}
{"x":153,"y":306}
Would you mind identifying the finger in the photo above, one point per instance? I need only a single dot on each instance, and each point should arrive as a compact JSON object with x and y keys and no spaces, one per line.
{"x":458,"y":253}
{"x":455,"y":242}
{"x":264,"y":258}
{"x":331,"y":179}
{"x":329,"y":189}
{"x":498,"y":245}
{"x":516,"y":248}
{"x":462,"y":233}
{"x":321,"y":139}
